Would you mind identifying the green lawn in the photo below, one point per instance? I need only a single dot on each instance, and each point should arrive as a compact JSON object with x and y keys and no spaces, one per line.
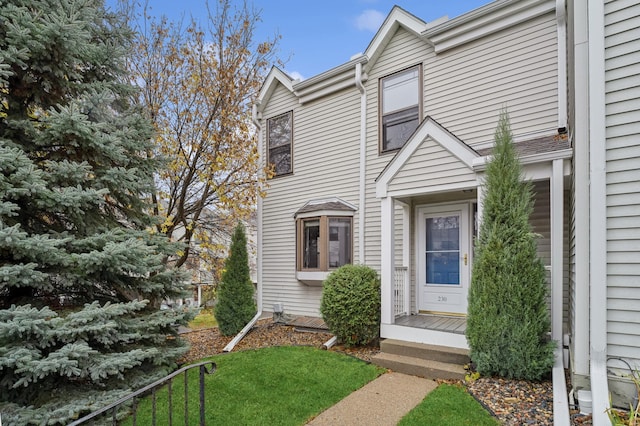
{"x":290,"y":385}
{"x":204,"y":319}
{"x":278,"y":385}
{"x":449,"y":405}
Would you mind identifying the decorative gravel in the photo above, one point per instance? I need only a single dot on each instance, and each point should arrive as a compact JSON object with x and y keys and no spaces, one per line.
{"x":513,"y":402}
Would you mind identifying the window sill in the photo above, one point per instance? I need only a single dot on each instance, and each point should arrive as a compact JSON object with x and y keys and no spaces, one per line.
{"x":312,"y":278}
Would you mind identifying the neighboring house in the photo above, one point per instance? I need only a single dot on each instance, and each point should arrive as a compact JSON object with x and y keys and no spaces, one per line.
{"x":205,"y":259}
{"x":380,"y":161}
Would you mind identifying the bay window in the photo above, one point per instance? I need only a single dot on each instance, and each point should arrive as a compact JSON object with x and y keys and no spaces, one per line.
{"x":324,"y":242}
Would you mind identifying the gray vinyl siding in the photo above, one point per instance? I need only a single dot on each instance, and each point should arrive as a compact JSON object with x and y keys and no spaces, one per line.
{"x":517,"y":68}
{"x":404,"y":50}
{"x":541,"y":223}
{"x":326,"y":146}
{"x":622,"y":97}
{"x":432,"y":165}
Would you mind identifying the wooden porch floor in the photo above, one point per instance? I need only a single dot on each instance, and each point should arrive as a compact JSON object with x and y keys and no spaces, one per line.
{"x":457,"y":325}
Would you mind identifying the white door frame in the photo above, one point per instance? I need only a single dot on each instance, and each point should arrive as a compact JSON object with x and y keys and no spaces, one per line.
{"x":446,"y":292}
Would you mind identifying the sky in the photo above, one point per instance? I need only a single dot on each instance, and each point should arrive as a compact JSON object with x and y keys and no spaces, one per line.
{"x":318,"y":35}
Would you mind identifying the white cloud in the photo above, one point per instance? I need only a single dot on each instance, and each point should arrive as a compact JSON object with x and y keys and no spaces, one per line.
{"x":370,"y":20}
{"x":296,"y":75}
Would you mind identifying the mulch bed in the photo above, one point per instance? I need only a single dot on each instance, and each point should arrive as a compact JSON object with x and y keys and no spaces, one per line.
{"x":513,"y":402}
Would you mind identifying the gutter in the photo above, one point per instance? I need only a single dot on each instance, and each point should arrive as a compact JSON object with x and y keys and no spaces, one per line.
{"x":363,"y":163}
{"x":256,"y":121}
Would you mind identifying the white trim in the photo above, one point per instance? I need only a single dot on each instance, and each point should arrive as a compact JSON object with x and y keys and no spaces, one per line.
{"x":312,"y":278}
{"x":580,"y":142}
{"x":485,"y":20}
{"x":480,"y":163}
{"x":562,"y":62}
{"x":259,"y":212}
{"x":561,"y":414}
{"x":433,"y":189}
{"x":406,"y":251}
{"x":418,"y":335}
{"x":396,"y":18}
{"x":556,"y":186}
{"x":362,"y":184}
{"x":598,"y":209}
{"x":326,"y":90}
{"x":387,"y":256}
{"x":428,"y":128}
{"x":422,"y":211}
{"x":332,"y":213}
{"x":275,"y":76}
{"x":341,"y":72}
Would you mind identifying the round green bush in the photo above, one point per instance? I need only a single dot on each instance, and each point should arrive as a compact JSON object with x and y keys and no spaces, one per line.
{"x":351,"y":304}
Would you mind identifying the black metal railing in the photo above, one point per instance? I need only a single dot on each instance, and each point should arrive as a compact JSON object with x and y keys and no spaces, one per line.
{"x":131,"y":401}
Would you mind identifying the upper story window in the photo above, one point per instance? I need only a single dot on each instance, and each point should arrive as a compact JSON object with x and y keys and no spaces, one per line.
{"x":280,"y":143}
{"x":400,"y":105}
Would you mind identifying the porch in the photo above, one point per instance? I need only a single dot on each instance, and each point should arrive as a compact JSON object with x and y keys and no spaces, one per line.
{"x":431,"y":197}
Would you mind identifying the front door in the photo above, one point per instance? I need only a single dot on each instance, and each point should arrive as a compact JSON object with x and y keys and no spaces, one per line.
{"x":443,"y":258}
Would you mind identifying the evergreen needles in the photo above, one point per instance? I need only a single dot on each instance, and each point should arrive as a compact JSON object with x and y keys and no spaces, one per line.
{"x":81,"y":276}
{"x":235,"y":306}
{"x":508,"y":321}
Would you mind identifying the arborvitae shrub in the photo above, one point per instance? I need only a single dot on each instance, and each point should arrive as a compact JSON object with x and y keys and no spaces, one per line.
{"x":508,"y":321}
{"x":235,"y":306}
{"x":351,"y":304}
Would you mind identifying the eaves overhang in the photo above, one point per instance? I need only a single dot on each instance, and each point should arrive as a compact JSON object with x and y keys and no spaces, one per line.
{"x":485,"y":20}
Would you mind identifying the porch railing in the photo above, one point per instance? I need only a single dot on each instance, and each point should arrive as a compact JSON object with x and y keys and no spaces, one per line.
{"x":400,"y":288}
{"x":130,"y":402}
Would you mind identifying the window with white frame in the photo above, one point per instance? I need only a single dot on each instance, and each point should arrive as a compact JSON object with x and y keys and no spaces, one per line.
{"x":400,"y":106}
{"x":280,"y":143}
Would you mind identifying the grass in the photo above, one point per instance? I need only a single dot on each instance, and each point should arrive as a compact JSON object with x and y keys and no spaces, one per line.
{"x":277,"y":385}
{"x":204,"y":319}
{"x":449,"y":405}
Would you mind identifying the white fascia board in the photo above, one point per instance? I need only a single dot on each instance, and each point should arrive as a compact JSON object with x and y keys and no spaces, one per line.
{"x":348,"y":81}
{"x":332,"y":213}
{"x":328,"y":77}
{"x":484,"y":21}
{"x":429,"y":128}
{"x":396,"y":18}
{"x":434,"y":189}
{"x":561,"y":19}
{"x":275,"y":76}
{"x":480,"y":163}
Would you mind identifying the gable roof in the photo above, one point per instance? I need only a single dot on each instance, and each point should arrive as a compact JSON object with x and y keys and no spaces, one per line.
{"x":397,"y":18}
{"x":442,"y":33}
{"x":428,"y":128}
{"x":275,"y":76}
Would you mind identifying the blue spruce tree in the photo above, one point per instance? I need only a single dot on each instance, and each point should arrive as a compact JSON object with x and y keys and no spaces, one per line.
{"x":81,"y":276}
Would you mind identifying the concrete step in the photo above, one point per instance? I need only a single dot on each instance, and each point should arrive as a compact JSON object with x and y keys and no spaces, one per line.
{"x":442,"y":354}
{"x":428,"y":369}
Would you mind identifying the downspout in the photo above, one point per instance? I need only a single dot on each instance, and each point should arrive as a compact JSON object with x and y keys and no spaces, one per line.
{"x":597,"y":218}
{"x":561,"y":414}
{"x":363,"y":163}
{"x":250,"y":324}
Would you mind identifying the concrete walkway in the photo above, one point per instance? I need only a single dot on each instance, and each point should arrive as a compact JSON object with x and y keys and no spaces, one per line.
{"x":382,"y":402}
